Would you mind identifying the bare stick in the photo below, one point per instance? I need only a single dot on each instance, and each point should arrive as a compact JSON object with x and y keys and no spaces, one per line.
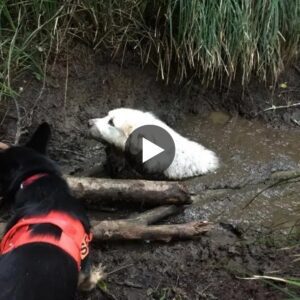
{"x":283,"y":175}
{"x":2,"y":228}
{"x":129,"y":191}
{"x":128,"y":230}
{"x":66,"y":88}
{"x":154,"y":215}
{"x":150,"y":216}
{"x":10,"y":53}
{"x":124,"y":230}
{"x":274,"y":107}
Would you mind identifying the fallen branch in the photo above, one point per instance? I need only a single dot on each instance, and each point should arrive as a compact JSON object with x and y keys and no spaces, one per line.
{"x":144,"y":192}
{"x":285,"y":175}
{"x":154,"y":215}
{"x":136,"y":191}
{"x":125,"y":230}
{"x":136,"y":228}
{"x":274,"y":107}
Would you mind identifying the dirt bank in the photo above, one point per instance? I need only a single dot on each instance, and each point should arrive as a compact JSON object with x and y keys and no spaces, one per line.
{"x":245,"y":241}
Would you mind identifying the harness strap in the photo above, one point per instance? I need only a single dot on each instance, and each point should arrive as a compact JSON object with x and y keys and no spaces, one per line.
{"x":73,"y":240}
{"x":28,"y":181}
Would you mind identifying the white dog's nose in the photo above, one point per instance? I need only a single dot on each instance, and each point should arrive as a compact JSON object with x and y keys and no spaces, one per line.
{"x":91,"y":123}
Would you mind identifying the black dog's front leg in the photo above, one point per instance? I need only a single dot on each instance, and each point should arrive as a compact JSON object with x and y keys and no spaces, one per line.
{"x":89,"y":275}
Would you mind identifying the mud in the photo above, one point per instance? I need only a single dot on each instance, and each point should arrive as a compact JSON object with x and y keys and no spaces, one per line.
{"x":253,"y":222}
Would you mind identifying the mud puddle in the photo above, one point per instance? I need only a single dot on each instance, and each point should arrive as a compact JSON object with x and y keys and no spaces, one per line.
{"x":251,"y":155}
{"x":254,"y":216}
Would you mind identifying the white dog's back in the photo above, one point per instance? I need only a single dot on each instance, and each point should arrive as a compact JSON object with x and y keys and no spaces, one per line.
{"x":191,"y":159}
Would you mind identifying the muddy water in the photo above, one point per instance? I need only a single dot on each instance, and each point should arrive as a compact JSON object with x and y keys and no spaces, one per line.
{"x":250,"y":153}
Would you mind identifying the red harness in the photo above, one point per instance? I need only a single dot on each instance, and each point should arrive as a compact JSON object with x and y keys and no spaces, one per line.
{"x":28,"y":181}
{"x":74,"y":240}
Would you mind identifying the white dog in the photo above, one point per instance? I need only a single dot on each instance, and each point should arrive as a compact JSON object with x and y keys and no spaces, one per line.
{"x":191,"y":159}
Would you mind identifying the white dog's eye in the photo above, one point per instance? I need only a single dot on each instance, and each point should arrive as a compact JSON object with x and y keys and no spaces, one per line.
{"x":111,"y":122}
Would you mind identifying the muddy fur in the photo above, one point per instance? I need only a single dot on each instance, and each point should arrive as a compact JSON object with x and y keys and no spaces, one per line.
{"x":191,"y":158}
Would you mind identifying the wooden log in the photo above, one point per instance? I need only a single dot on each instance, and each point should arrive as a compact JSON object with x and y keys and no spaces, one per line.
{"x":124,"y":230}
{"x":137,"y":227}
{"x":143,"y":192}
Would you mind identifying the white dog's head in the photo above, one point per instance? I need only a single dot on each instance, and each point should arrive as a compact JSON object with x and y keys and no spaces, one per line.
{"x":116,"y":127}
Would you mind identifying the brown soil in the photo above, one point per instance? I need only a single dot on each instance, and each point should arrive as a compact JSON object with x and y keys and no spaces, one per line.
{"x":87,"y":85}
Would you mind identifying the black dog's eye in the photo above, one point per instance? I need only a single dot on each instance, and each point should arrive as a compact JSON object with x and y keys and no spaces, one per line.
{"x":111,"y":122}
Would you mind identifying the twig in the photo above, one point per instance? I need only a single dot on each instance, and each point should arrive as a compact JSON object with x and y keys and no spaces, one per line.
{"x":4,"y":116}
{"x":19,"y":126}
{"x":66,"y":87}
{"x":279,"y":182}
{"x":70,"y":151}
{"x":10,"y":53}
{"x":129,"y":284}
{"x":43,"y":84}
{"x":297,"y":69}
{"x":296,"y":121}
{"x":154,"y":215}
{"x":274,"y":107}
{"x":118,"y":269}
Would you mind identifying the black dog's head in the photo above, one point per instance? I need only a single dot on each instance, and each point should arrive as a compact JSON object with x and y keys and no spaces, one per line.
{"x":19,"y":162}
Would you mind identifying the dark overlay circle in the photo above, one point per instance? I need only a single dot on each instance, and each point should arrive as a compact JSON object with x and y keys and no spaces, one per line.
{"x":157,"y":136}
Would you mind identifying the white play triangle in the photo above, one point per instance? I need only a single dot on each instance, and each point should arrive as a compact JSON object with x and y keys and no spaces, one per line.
{"x":150,"y":150}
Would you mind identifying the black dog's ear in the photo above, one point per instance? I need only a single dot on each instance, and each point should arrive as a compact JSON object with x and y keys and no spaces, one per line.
{"x":40,"y":138}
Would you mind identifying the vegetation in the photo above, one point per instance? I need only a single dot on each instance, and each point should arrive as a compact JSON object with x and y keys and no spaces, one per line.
{"x":212,"y":39}
{"x":289,"y":286}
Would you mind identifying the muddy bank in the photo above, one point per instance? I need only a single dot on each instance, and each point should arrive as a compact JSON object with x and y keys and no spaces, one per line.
{"x":247,"y":235}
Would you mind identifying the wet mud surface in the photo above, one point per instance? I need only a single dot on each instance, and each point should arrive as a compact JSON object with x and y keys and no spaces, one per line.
{"x":256,"y":210}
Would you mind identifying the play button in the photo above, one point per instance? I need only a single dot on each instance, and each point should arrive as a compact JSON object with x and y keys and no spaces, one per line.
{"x":150,"y":149}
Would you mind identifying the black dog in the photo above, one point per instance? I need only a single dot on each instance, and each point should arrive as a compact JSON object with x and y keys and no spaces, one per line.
{"x":45,"y":245}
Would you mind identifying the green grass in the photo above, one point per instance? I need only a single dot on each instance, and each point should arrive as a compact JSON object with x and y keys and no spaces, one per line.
{"x":289,"y":286}
{"x":213,"y":40}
